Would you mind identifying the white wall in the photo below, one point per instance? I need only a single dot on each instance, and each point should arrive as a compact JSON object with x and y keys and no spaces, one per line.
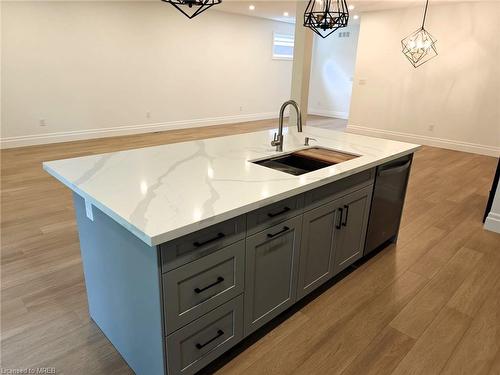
{"x":91,"y":69}
{"x":492,"y":221}
{"x":332,"y":71}
{"x":458,"y":92}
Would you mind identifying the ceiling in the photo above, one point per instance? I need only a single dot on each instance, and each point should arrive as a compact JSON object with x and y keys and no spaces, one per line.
{"x":265,"y":9}
{"x":275,"y":9}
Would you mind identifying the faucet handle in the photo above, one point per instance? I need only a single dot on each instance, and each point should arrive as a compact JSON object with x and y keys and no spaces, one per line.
{"x":306,"y":141}
{"x":274,"y":142}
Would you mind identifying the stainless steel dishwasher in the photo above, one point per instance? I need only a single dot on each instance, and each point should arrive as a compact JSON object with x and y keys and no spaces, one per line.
{"x":388,"y":198}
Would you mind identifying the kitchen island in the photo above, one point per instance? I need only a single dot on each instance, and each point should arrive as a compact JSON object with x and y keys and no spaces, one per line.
{"x":190,"y":247}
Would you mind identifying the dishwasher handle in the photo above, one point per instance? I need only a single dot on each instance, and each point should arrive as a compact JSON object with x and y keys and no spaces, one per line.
{"x":391,"y":169}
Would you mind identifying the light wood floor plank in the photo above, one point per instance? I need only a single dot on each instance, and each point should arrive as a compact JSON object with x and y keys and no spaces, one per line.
{"x":331,"y":348}
{"x":438,"y":256}
{"x":382,"y":355}
{"x":277,"y":337}
{"x":495,"y":367}
{"x":422,"y":310}
{"x":431,"y":352}
{"x":476,"y":352}
{"x":478,"y":286}
{"x":345,"y":341}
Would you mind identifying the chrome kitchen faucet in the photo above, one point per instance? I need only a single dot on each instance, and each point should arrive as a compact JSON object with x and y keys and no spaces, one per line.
{"x":278,"y":138}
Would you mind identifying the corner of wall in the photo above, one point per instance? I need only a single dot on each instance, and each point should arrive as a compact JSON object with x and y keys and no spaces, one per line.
{"x":492,"y":222}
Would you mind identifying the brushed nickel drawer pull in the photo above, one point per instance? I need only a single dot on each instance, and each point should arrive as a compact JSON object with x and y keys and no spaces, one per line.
{"x":219,"y":280}
{"x":220,"y":332}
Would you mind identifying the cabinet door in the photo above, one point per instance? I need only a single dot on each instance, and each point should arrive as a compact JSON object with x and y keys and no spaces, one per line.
{"x":355,"y":210}
{"x":317,"y":247}
{"x":271,"y":272}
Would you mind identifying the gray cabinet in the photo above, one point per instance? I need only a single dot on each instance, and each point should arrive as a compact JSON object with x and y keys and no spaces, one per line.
{"x":354,"y":210}
{"x":177,"y":311}
{"x":194,"y":346}
{"x":337,"y":189}
{"x":199,"y":244}
{"x":217,"y":290}
{"x":271,"y":266}
{"x":273,"y":214}
{"x":198,"y":287}
{"x":317,"y":247}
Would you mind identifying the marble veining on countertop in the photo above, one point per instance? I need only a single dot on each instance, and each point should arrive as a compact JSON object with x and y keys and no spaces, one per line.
{"x":163,"y":192}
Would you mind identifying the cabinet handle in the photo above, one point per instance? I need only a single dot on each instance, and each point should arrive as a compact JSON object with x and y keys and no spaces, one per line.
{"x":220,"y":332}
{"x":286,"y":209}
{"x":344,"y":223}
{"x":339,"y":224}
{"x":219,"y":280}
{"x":218,"y":237}
{"x":271,"y":235}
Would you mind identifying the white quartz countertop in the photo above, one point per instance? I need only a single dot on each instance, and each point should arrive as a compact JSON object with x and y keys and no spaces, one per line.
{"x":164,"y":192}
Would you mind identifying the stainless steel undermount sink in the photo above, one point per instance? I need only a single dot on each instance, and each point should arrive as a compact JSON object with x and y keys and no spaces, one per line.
{"x":293,"y":164}
{"x":305,"y":161}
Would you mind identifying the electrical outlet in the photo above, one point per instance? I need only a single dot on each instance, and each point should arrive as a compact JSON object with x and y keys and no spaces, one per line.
{"x":431,"y":128}
{"x":148,"y":114}
{"x":241,"y":108}
{"x":362,"y":82}
{"x":42,"y":122}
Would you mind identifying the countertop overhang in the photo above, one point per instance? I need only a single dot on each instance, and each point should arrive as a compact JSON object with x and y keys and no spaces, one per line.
{"x":163,"y":192}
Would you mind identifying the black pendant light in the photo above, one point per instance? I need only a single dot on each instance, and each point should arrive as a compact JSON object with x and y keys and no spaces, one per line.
{"x":191,"y":8}
{"x":325,"y":16}
{"x":420,"y":46}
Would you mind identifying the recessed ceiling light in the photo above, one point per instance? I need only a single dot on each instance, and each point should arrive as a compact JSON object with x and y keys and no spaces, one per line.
{"x":285,"y":14}
{"x":251,"y":7}
{"x":356,"y":17}
{"x":351,"y":7}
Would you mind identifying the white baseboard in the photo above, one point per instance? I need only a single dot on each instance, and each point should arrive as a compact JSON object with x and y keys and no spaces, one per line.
{"x":38,"y":139}
{"x":492,"y":222}
{"x":428,"y":141}
{"x":327,"y":113}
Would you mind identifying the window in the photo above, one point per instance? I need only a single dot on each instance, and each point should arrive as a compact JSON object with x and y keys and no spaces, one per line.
{"x":283,"y":46}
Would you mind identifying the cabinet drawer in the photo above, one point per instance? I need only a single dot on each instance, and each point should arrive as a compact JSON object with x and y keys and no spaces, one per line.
{"x":268,"y":216}
{"x":198,"y":287}
{"x":199,"y":343}
{"x":337,"y":189}
{"x":198,"y":244}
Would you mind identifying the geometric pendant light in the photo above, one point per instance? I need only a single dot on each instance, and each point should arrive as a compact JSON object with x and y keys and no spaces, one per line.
{"x":325,"y":16}
{"x":191,"y":8}
{"x":420,"y":46}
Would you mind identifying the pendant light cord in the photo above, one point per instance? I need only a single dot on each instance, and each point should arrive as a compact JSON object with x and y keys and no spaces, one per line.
{"x":425,"y":13}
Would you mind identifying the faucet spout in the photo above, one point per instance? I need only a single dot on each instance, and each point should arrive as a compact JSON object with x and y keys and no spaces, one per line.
{"x":294,"y":104}
{"x":278,"y":138}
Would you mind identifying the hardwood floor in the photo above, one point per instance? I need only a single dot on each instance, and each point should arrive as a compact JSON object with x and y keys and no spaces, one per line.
{"x":428,"y":305}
